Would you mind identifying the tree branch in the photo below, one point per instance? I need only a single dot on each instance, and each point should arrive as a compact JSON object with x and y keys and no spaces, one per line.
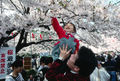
{"x":72,"y":12}
{"x":45,"y":26}
{"x":25,"y":37}
{"x":5,"y":39}
{"x":11,"y":37}
{"x":21,"y":37}
{"x":2,"y":41}
{"x":10,"y":31}
{"x":19,"y":47}
{"x":15,"y":6}
{"x":49,"y":40}
{"x":116,"y":3}
{"x":21,"y":5}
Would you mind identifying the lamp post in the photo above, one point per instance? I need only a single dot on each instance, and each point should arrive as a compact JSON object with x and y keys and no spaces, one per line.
{"x":14,"y":41}
{"x":30,"y":41}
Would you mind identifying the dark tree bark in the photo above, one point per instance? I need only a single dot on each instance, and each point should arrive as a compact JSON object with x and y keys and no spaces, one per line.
{"x":23,"y":38}
{"x":23,"y":41}
{"x":5,"y":39}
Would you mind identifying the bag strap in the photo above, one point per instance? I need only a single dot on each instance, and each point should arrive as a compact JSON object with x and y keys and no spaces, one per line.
{"x":99,"y":76}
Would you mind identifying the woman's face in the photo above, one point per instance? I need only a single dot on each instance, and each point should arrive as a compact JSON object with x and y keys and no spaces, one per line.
{"x":69,"y":28}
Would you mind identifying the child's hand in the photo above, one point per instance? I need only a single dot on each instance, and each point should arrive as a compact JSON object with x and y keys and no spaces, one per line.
{"x":64,"y":53}
{"x":53,"y":13}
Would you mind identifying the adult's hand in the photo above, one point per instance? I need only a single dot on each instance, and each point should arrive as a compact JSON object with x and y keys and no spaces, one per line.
{"x":64,"y":53}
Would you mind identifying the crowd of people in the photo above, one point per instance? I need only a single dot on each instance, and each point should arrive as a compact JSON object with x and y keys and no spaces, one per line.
{"x":110,"y":63}
{"x":83,"y":66}
{"x":69,"y":61}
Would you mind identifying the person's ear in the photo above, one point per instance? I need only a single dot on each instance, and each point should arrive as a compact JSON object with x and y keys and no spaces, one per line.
{"x":12,"y":68}
{"x":76,"y":69}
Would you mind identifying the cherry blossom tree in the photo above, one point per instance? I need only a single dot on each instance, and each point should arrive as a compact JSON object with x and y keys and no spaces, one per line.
{"x":95,"y":20}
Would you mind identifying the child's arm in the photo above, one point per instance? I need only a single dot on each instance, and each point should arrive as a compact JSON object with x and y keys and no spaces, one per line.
{"x":59,"y":30}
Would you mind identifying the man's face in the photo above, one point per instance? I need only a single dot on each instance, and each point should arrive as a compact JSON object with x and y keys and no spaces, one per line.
{"x":71,"y":61}
{"x":69,"y":28}
{"x":113,"y":54}
{"x":19,"y":69}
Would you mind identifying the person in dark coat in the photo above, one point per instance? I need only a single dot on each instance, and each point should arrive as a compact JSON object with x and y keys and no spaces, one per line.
{"x":80,"y":65}
{"x":48,"y":63}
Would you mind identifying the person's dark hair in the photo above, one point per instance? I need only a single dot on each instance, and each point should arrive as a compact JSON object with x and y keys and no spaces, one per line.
{"x":100,"y":58}
{"x":43,"y":59}
{"x":19,"y":58}
{"x":109,"y":57}
{"x":48,"y":60}
{"x":86,"y":61}
{"x":17,"y":63}
{"x":72,"y":24}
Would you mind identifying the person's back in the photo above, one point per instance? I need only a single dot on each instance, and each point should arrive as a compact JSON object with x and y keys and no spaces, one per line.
{"x":100,"y":74}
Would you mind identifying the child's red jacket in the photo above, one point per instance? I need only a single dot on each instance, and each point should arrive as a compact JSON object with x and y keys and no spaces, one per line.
{"x":61,"y":33}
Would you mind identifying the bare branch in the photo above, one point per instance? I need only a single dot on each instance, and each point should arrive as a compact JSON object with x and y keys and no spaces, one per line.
{"x":21,"y":37}
{"x":49,"y":40}
{"x":22,"y":45}
{"x":21,"y":5}
{"x":10,"y":31}
{"x":25,"y":37}
{"x":116,"y":3}
{"x":45,"y":26}
{"x":15,"y":6}
{"x":11,"y":37}
{"x":72,"y":12}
